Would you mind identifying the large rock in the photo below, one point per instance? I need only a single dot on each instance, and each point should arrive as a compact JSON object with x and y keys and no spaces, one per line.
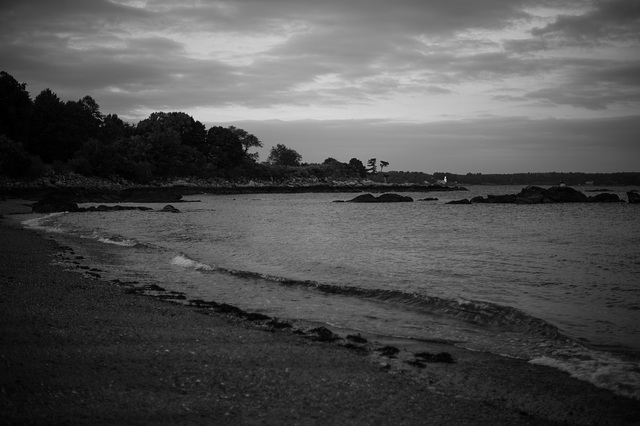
{"x":605,"y":198}
{"x":170,"y":209}
{"x":634,"y":197}
{"x":537,"y":195}
{"x":565,"y":194}
{"x":384,"y":198}
{"x":463,"y":201}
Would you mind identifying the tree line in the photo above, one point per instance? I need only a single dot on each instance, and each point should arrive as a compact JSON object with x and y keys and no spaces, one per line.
{"x":47,"y":133}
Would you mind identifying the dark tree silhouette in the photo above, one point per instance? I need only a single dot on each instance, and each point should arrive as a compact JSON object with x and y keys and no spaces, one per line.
{"x":358,"y":167}
{"x":16,"y":109}
{"x":280,"y":155}
{"x":372,"y":165}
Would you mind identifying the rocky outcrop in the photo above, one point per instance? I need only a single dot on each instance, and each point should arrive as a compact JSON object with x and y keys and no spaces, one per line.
{"x":555,"y":194}
{"x":54,"y":203}
{"x":323,"y":334}
{"x":170,"y":209}
{"x":463,"y":201}
{"x":634,"y":197}
{"x":384,"y":198}
{"x":605,"y":198}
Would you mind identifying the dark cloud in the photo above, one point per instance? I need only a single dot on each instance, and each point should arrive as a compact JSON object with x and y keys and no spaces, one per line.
{"x":426,"y":58}
{"x":595,"y":85}
{"x":608,"y":20}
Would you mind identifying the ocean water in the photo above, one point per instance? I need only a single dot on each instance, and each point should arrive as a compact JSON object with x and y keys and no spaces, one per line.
{"x":556,"y":284}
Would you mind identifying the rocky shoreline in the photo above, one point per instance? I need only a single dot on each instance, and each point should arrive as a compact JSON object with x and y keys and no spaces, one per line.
{"x":555,"y":194}
{"x":63,"y":193}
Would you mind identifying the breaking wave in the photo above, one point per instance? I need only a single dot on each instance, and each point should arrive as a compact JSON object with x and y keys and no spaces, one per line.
{"x":601,"y":369}
{"x":475,"y":312}
{"x":41,"y":223}
{"x":48,"y":224}
{"x":117,"y":241}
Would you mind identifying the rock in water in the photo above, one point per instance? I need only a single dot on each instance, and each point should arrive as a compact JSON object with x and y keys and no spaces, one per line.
{"x":169,"y":208}
{"x":323,"y":334}
{"x":463,"y":201}
{"x":564,"y":194}
{"x":634,"y":197}
{"x":384,"y":198}
{"x":605,"y":198}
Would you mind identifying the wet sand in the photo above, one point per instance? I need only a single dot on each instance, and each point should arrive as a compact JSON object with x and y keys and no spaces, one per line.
{"x":76,"y":349}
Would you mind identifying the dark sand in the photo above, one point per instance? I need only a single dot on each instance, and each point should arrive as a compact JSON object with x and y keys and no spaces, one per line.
{"x":78,"y":350}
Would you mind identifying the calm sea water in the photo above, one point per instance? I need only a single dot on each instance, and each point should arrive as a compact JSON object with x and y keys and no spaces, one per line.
{"x":556,"y":284}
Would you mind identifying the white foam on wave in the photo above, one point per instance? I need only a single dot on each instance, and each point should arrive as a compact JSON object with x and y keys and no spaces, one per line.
{"x":185,"y":262}
{"x":118,"y":242}
{"x":39,"y":223}
{"x":603,"y":370}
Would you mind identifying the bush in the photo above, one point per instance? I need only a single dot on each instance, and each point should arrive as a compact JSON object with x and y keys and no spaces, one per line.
{"x":14,"y":160}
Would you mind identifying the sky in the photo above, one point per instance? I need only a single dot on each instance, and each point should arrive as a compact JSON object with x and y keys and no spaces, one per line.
{"x":459,"y":86}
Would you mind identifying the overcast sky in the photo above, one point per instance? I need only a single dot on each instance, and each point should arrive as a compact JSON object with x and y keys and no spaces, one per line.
{"x":491,"y":86}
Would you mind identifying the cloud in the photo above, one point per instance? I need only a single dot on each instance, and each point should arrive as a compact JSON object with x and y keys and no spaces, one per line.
{"x":390,"y":63}
{"x":608,"y":20}
{"x":595,"y":85}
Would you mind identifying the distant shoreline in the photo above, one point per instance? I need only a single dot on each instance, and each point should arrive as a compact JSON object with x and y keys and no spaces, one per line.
{"x":174,"y":191}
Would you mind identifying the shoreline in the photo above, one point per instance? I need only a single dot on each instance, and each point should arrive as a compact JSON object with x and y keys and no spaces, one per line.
{"x":80,"y":349}
{"x":174,"y":193}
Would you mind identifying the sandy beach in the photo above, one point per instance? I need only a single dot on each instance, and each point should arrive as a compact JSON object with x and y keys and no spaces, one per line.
{"x":76,"y":349}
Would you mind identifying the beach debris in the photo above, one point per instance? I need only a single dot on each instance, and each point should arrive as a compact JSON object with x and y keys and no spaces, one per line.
{"x":357,"y":338}
{"x":172,"y":295}
{"x":323,"y":334}
{"x":388,"y":351}
{"x":199,"y":303}
{"x":442,"y":357}
{"x":225,"y":308}
{"x":416,"y":363}
{"x":254,"y":316}
{"x":151,"y":287}
{"x":276,"y":323}
{"x":634,"y":197}
{"x":357,"y":348}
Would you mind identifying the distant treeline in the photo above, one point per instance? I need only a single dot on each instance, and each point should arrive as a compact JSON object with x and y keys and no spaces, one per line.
{"x":47,"y":135}
{"x":521,"y":179}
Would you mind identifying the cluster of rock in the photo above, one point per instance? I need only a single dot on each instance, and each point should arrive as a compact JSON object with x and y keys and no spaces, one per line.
{"x":555,"y":194}
{"x":384,"y":198}
{"x":49,"y":205}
